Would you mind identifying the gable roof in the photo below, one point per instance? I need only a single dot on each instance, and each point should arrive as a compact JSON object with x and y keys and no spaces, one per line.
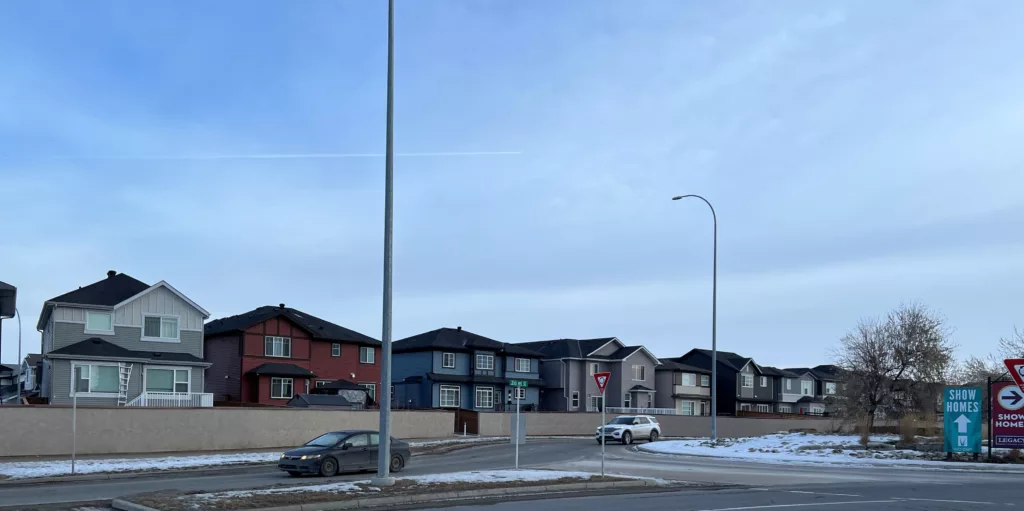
{"x":319,"y":401}
{"x":828,"y":371}
{"x":578,"y":348}
{"x":165,"y":285}
{"x":320,"y":329}
{"x":729,"y":359}
{"x":775,"y":371}
{"x":281,"y":369}
{"x":33,"y":359}
{"x":114,"y":289}
{"x":457,"y":339}
{"x":668,"y":364}
{"x":800,"y":371}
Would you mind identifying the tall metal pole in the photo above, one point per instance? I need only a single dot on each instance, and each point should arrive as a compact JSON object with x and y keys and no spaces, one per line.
{"x":384,"y":451}
{"x":21,"y":373}
{"x":714,"y":320}
{"x":517,"y":427}
{"x":74,"y":422}
{"x":604,"y":439}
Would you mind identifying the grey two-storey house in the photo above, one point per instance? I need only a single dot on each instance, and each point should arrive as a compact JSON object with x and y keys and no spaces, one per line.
{"x":812,"y":391}
{"x":122,"y":342}
{"x":683,"y":388}
{"x":568,"y":367}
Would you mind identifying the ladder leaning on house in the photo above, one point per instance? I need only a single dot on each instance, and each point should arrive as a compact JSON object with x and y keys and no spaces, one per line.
{"x":125,"y":372}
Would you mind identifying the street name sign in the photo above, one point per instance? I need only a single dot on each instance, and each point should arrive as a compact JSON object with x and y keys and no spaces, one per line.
{"x":519,"y":383}
{"x":962,"y":419}
{"x":1016,"y":368}
{"x":602,"y":380}
{"x":1007,"y":416}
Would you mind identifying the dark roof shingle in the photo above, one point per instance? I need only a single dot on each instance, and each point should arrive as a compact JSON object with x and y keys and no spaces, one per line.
{"x":573,"y":348}
{"x":107,"y":292}
{"x":281,"y":369}
{"x":457,"y":339}
{"x":668,"y":364}
{"x":96,"y":347}
{"x":320,"y":329}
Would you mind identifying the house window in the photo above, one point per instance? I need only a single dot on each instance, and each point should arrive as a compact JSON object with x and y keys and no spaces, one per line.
{"x":744,"y":407}
{"x":789,"y":384}
{"x":764,"y":408}
{"x":705,"y":380}
{"x":807,"y":387}
{"x":319,"y":383}
{"x":830,"y":387}
{"x":626,"y":402}
{"x":785,"y":409}
{"x":520,"y":394}
{"x":448,"y":360}
{"x":99,"y":322}
{"x":638,"y":373}
{"x":689,"y":380}
{"x":485,"y":362}
{"x":596,"y":403}
{"x":485,"y":397}
{"x":159,"y":379}
{"x":686,"y":408}
{"x":335,"y":350}
{"x":449,"y":396}
{"x":159,"y":328}
{"x":705,"y":408}
{"x":595,"y":368}
{"x":274,"y":346}
{"x":371,"y":389}
{"x":366,"y":355}
{"x":522,"y":365}
{"x":95,"y":379}
{"x":764,"y":381}
{"x":281,"y":388}
{"x":575,"y":400}
{"x":748,"y":381}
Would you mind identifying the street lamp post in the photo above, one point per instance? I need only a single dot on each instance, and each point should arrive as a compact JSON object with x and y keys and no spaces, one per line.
{"x":714,"y":319}
{"x":384,"y":394}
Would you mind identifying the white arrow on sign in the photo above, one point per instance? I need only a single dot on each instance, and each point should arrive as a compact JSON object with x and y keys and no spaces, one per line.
{"x":961,"y":423}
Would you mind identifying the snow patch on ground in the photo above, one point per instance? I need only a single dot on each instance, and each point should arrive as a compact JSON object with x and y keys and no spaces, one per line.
{"x":804,"y":447}
{"x":28,"y":469}
{"x":452,"y":441}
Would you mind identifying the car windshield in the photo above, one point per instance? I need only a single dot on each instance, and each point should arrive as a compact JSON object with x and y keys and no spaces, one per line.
{"x":328,"y":440}
{"x":622,"y":420}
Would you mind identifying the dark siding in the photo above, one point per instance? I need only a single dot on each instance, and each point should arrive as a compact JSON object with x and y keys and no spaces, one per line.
{"x":223,"y":378}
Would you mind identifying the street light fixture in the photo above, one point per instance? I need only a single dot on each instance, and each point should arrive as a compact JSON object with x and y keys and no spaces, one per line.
{"x":714,"y":320}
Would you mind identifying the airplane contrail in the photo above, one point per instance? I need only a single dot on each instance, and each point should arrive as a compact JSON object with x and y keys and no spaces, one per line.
{"x":290,"y":156}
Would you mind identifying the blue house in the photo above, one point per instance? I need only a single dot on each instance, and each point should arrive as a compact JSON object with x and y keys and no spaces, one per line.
{"x":453,"y":368}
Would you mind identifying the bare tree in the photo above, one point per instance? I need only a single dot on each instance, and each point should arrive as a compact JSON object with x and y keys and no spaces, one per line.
{"x":1012,"y":347}
{"x":976,"y":370}
{"x":893,"y":366}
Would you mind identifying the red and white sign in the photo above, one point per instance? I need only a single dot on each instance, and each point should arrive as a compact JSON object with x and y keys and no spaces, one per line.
{"x":602,"y":380}
{"x":1007,"y":415}
{"x":1016,"y":368}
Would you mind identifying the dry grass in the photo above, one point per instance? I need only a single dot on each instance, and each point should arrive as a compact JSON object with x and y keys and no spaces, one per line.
{"x":864,"y":432}
{"x":1014,"y":455}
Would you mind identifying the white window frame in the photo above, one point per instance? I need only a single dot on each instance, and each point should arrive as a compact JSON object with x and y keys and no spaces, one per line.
{"x":596,"y":403}
{"x":764,"y":408}
{"x":683,"y":405}
{"x":445,"y":358}
{"x":273,"y":339}
{"x":489,"y":359}
{"x":639,"y":373}
{"x":595,"y":368}
{"x":335,"y":349}
{"x":519,"y":365}
{"x":90,"y":393}
{"x":789,"y":383}
{"x":785,"y":408}
{"x":161,"y":338}
{"x":484,"y":398}
{"x":367,"y":355}
{"x":705,"y":380}
{"x":806,"y":388}
{"x":174,"y":378}
{"x":520,"y":393}
{"x":830,"y":387}
{"x":291,"y":381}
{"x":97,"y":331}
{"x":449,"y":388}
{"x":627,"y":401}
{"x":575,"y":400}
{"x":764,"y":381}
{"x":371,"y":389}
{"x":745,"y":383}
{"x":692,"y":378}
{"x":320,"y":383}
{"x":744,"y":407}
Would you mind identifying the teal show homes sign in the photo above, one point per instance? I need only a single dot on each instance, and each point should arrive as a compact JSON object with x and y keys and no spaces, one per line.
{"x":961,"y":408}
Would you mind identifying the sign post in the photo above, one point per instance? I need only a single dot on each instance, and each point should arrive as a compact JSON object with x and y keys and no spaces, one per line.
{"x":602,"y":383}
{"x":1007,"y":416}
{"x":962,"y":419}
{"x":516,"y":385}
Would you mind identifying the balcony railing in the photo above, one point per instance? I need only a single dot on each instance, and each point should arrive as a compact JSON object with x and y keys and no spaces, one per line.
{"x":643,"y":411}
{"x":173,"y":400}
{"x":691,"y":390}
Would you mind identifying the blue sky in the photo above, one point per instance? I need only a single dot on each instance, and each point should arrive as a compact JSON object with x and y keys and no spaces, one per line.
{"x":860,"y":155}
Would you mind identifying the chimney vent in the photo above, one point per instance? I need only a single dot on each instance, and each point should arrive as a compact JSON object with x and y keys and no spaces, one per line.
{"x":111,"y":273}
{"x":282,"y":305}
{"x":459,"y":328}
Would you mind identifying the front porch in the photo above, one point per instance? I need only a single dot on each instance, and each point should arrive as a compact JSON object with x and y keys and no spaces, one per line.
{"x":172,"y":400}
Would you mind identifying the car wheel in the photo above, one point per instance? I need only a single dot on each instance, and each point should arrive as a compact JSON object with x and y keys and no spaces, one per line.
{"x":294,"y":473}
{"x":627,"y":438}
{"x":654,"y":436}
{"x":397,"y":464}
{"x":600,"y":441}
{"x":329,"y":467}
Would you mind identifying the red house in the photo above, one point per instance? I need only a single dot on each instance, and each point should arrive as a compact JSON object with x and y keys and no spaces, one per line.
{"x":270,"y":354}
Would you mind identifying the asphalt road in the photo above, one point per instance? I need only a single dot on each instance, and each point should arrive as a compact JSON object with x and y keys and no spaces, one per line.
{"x":867,"y":483}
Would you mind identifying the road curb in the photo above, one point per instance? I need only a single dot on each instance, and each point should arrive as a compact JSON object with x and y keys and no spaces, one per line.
{"x":426,"y":498}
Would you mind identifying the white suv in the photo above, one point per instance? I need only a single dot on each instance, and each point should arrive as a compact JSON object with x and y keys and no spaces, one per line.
{"x":627,"y":428}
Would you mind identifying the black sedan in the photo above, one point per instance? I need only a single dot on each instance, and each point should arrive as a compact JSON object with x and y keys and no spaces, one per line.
{"x":342,"y":451}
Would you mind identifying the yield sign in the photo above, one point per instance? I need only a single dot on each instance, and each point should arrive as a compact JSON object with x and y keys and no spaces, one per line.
{"x":602,"y":380}
{"x":1016,"y":368}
